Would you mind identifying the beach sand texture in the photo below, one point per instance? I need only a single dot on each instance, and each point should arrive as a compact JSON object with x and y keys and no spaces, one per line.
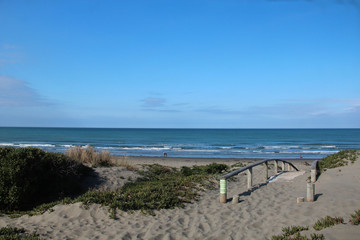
{"x":260,"y":214}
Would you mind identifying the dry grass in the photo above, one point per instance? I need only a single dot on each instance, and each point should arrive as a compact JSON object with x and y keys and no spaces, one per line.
{"x":88,"y":155}
{"x":124,"y":162}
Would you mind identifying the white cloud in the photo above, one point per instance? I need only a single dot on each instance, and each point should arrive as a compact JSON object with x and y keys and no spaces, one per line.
{"x":16,"y":92}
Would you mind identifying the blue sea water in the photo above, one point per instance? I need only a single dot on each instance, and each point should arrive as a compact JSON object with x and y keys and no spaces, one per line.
{"x":208,"y":143}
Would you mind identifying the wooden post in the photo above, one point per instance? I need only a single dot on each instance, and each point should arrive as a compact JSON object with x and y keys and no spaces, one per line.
{"x":276,"y":167}
{"x":235,"y":199}
{"x":313,"y":175}
{"x":309,"y":191}
{"x":300,"y":199}
{"x":266,"y":171}
{"x":223,"y":190}
{"x":283,"y":166}
{"x":289,"y":167}
{"x":249,"y":178}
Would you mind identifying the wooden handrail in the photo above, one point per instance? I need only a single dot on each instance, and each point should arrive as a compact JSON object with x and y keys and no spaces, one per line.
{"x":223,"y":179}
{"x":236,"y":172}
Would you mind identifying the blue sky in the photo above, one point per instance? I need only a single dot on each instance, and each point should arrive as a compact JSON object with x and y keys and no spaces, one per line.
{"x":180,"y":63}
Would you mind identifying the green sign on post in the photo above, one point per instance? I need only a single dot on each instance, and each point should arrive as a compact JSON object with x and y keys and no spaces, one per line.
{"x":223,"y":186}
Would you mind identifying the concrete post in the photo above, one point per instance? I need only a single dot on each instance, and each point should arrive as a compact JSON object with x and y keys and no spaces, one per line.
{"x":309,"y":191}
{"x":223,"y":190}
{"x":283,"y":166}
{"x":289,"y":167}
{"x":249,"y":178}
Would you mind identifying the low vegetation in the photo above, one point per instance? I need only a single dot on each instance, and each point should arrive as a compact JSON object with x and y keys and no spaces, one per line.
{"x":89,"y":156}
{"x":11,"y":233}
{"x":293,"y":233}
{"x":339,"y":159}
{"x":238,"y":165}
{"x":327,"y":222}
{"x":31,"y":176}
{"x":32,"y":181}
{"x":355,"y":218}
{"x":159,"y":187}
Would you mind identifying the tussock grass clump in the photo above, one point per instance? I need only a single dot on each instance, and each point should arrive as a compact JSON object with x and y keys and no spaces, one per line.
{"x":160,"y":187}
{"x":88,"y":155}
{"x":12,"y":233}
{"x":31,"y":176}
{"x":338,"y":159}
{"x":355,"y":218}
{"x":327,"y":222}
{"x":124,"y":162}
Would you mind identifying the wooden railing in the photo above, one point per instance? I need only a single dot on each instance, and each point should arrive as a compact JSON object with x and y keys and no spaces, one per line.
{"x":223,"y":179}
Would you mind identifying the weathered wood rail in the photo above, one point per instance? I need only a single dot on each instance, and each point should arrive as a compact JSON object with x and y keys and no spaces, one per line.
{"x":223,"y":179}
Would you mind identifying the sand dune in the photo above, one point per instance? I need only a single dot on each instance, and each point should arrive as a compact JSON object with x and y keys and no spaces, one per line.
{"x":260,"y":214}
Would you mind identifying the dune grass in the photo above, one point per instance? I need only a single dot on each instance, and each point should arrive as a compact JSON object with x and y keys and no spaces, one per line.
{"x":339,"y":159}
{"x":89,"y":156}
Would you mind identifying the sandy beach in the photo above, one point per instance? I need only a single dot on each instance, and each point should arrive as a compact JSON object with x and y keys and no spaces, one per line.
{"x":260,"y":214}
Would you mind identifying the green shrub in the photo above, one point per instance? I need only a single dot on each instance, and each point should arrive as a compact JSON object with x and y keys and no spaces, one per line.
{"x":31,"y":176}
{"x":88,"y":155}
{"x":11,"y":233}
{"x":355,"y":218}
{"x":327,"y":222}
{"x":213,"y":168}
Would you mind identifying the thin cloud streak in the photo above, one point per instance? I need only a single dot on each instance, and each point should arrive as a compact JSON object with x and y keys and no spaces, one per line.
{"x":152,"y":102}
{"x":10,"y":54}
{"x":16,"y":93}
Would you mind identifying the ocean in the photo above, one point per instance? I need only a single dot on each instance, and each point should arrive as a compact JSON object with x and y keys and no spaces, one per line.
{"x":195,"y":143}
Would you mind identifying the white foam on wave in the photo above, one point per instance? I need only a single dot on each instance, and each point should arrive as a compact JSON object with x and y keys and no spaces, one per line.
{"x":34,"y":145}
{"x":7,"y":144}
{"x":67,"y":146}
{"x":328,"y":147}
{"x":146,"y":148}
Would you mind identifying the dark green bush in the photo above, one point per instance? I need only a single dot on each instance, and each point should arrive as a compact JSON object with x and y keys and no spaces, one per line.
{"x":31,"y":176}
{"x":213,"y":168}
